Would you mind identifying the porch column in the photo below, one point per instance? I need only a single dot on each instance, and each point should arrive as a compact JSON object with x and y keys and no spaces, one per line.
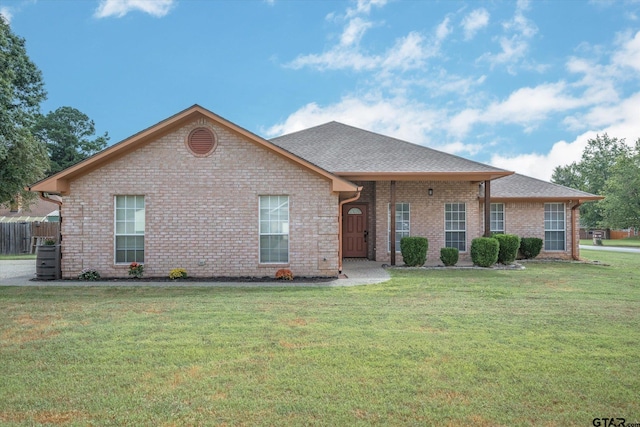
{"x":487,"y":208}
{"x":392,"y":226}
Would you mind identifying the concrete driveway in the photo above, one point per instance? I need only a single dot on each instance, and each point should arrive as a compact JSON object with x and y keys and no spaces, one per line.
{"x":20,"y":273}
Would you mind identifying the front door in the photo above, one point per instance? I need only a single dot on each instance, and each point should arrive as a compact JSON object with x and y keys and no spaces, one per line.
{"x":354,"y":231}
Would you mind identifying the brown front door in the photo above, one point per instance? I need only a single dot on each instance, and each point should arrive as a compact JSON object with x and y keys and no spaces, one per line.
{"x":354,"y":231}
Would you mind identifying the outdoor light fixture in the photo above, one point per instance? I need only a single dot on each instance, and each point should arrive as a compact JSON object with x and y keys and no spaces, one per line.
{"x":430,"y":191}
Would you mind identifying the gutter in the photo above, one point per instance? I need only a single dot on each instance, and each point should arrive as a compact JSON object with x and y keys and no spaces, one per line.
{"x":340,"y":205}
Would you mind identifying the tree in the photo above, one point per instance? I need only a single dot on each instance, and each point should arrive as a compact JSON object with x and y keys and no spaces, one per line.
{"x":621,"y":207}
{"x":23,"y":160}
{"x":591,"y":173}
{"x":67,"y":133}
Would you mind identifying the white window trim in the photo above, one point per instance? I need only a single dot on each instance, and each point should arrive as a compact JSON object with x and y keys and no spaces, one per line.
{"x":466,"y":234}
{"x":398,"y":249}
{"x":504,"y":219}
{"x":288,"y":233}
{"x":564,"y":229}
{"x":116,"y":235}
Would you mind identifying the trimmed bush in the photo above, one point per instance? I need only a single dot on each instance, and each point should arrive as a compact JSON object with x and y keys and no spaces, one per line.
{"x":284,"y":274}
{"x":449,"y":256}
{"x":484,"y":251}
{"x":530,"y":247}
{"x":414,"y":250}
{"x":178,"y":273}
{"x":509,"y":244}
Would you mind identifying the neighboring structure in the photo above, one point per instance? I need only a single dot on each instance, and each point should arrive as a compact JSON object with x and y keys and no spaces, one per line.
{"x":39,"y":210}
{"x":199,"y":192}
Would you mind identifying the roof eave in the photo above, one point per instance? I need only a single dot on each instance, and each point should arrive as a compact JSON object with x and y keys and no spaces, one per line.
{"x":538,"y":199}
{"x":424,"y":176}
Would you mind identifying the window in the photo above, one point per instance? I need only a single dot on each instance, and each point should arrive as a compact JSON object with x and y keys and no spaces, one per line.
{"x":402,"y":224}
{"x":554,"y":233}
{"x":274,"y":229}
{"x":497,"y":218}
{"x":129,"y":229}
{"x":455,"y":226}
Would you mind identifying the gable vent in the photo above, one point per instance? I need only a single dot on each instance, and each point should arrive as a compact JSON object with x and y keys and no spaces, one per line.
{"x":201,"y":141}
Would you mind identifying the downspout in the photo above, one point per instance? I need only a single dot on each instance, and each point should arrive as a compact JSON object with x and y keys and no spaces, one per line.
{"x":59,"y":203}
{"x":574,"y":241}
{"x":340,"y":205}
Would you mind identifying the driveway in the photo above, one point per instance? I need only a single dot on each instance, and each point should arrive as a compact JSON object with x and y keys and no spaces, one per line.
{"x":20,"y":273}
{"x":17,"y":272}
{"x":611,"y":249}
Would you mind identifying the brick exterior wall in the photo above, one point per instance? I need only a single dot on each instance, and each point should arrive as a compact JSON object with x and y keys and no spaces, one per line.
{"x":201,"y":212}
{"x":526,"y":219}
{"x":427,"y":216}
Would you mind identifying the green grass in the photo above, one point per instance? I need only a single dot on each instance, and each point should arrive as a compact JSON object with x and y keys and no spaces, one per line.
{"x":628,"y":242}
{"x":17,"y":257}
{"x":555,"y":344}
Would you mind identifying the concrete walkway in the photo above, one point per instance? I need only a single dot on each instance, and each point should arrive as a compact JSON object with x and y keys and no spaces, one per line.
{"x":355,"y":273}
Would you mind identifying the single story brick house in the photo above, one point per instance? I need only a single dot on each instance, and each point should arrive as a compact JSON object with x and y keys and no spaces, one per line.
{"x":199,"y":192}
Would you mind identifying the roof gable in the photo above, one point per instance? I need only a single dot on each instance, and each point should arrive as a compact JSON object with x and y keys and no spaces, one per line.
{"x":356,"y":153}
{"x":59,"y":183}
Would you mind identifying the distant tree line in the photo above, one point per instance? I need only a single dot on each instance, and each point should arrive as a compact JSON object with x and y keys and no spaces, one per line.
{"x":33,"y":145}
{"x":611,"y":168}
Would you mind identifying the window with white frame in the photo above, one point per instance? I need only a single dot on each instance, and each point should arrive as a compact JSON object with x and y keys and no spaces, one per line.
{"x":274,"y":229}
{"x":129,"y":229}
{"x":497,"y":218}
{"x":455,"y":226}
{"x":554,"y":227}
{"x":402,"y":224}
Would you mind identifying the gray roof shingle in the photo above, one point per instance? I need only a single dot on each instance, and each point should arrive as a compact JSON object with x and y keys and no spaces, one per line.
{"x":339,"y":148}
{"x":343,"y":149}
{"x":518,"y":186}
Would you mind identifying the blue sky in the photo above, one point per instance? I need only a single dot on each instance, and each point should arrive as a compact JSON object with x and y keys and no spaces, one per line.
{"x":520,"y":85}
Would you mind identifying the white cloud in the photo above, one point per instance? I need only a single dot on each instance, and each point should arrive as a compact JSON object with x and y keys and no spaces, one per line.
{"x":354,"y":31}
{"x":629,"y":55}
{"x":514,"y":43}
{"x":363,"y":7}
{"x":120,"y":8}
{"x":5,"y":12}
{"x":396,"y":117}
{"x":444,"y":29}
{"x":621,"y":123}
{"x":475,"y":21}
{"x":591,"y":97}
{"x":526,"y":107}
{"x":408,"y":53}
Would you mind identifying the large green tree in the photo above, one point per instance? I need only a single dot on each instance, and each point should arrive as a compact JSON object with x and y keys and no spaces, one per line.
{"x":621,"y":207}
{"x":591,"y":173}
{"x":23,"y":159}
{"x":69,"y":136}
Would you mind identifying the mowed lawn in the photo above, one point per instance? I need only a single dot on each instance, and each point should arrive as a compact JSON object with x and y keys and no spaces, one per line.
{"x":556,"y":344}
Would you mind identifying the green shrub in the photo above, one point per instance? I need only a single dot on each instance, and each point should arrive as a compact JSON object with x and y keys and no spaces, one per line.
{"x":530,"y":247}
{"x":509,"y":244}
{"x":484,"y":251}
{"x":414,"y":250}
{"x":449,"y":256}
{"x":89,"y":274}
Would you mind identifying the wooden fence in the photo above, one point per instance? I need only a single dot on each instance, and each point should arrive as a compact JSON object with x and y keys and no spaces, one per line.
{"x":18,"y":238}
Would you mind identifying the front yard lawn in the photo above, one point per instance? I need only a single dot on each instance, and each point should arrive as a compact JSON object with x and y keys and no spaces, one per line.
{"x":555,"y":344}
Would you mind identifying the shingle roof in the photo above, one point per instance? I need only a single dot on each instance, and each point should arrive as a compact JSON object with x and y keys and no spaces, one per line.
{"x":518,"y":186}
{"x":340,"y":148}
